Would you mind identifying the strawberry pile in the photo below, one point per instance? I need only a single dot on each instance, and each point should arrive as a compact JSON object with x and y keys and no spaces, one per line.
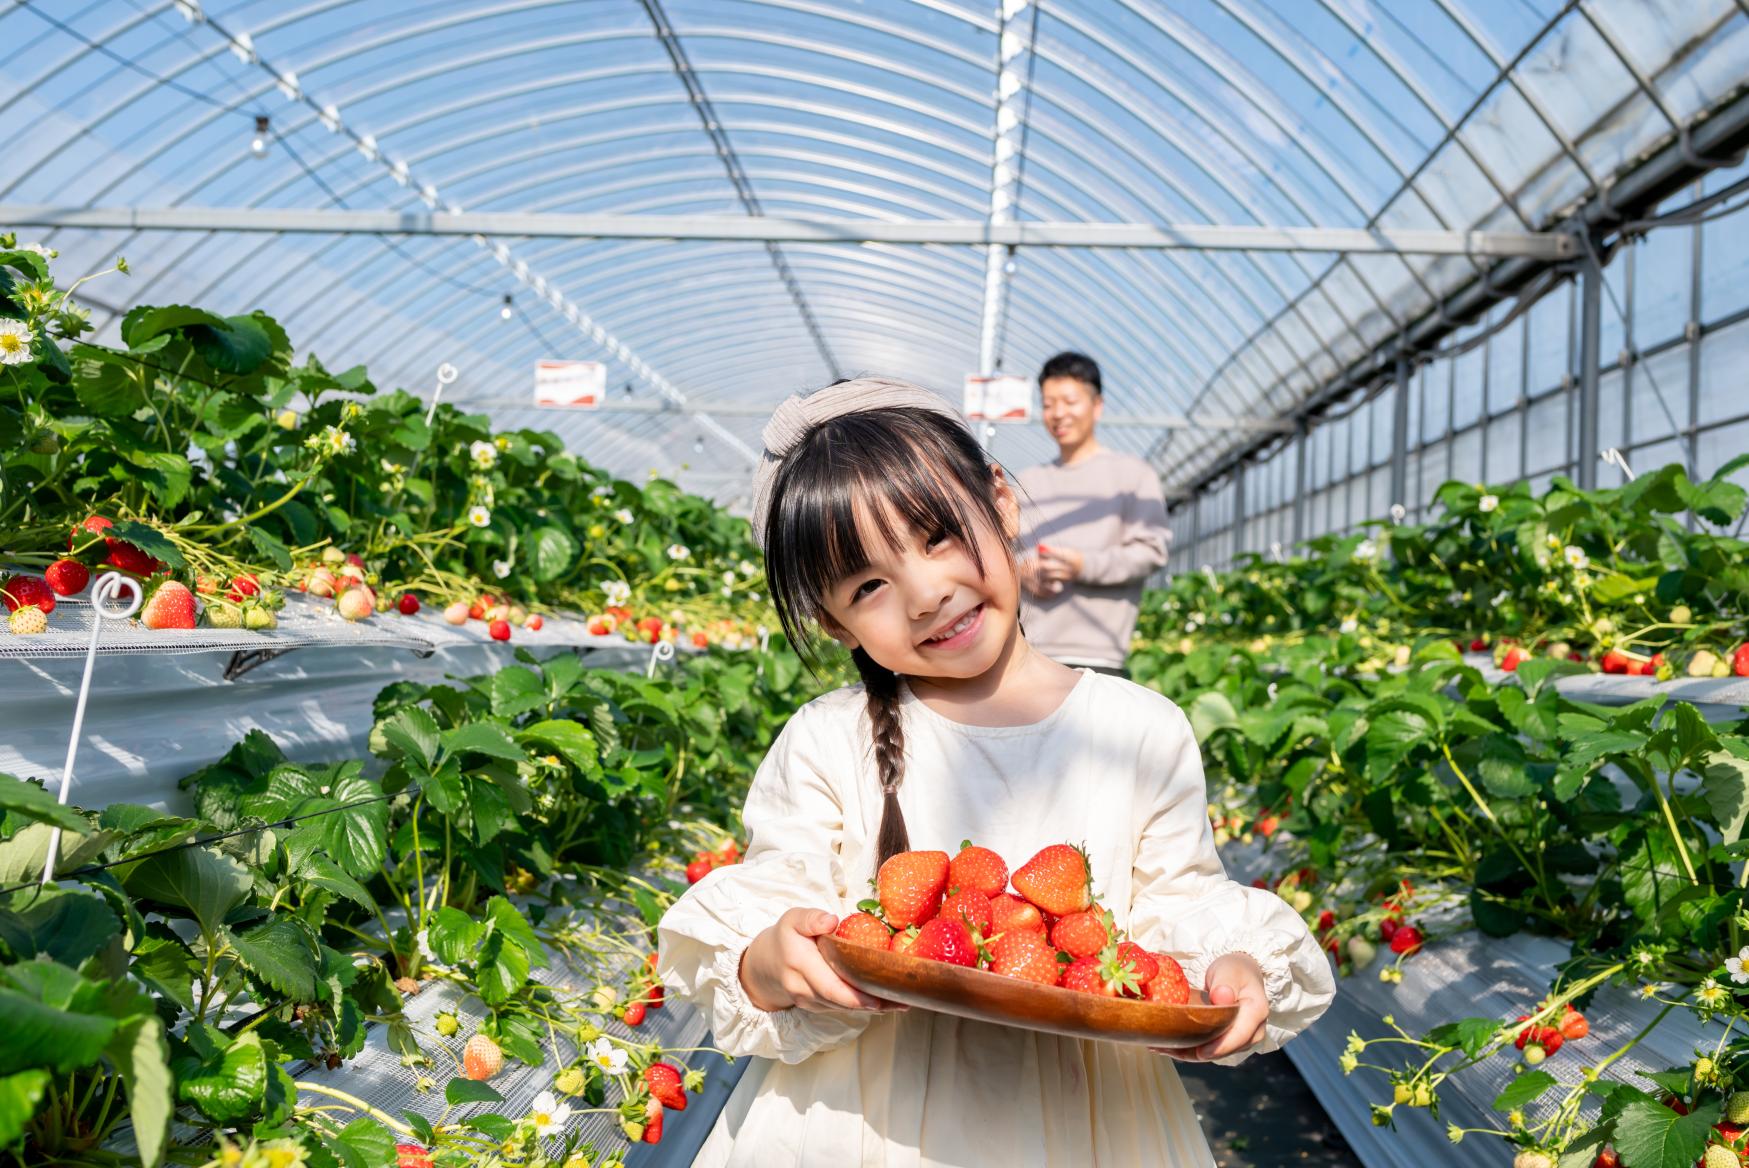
{"x":1538,"y":1042}
{"x":499,"y":614}
{"x":704,"y":863}
{"x":1046,"y":928}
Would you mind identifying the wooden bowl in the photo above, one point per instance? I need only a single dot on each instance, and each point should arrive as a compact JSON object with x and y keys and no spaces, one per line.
{"x":1008,"y":1001}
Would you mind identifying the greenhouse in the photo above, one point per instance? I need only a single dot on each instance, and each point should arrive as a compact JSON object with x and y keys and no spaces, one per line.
{"x":596,"y":583}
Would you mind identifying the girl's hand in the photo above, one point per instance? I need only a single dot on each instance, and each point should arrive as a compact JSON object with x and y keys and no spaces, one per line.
{"x":1232,"y":979}
{"x":782,"y":969}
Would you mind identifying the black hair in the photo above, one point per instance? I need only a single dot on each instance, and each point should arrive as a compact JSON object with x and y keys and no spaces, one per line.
{"x":901,"y":464}
{"x":1079,"y":366}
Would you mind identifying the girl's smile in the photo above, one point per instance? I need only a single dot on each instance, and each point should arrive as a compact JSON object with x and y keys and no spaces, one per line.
{"x":958,"y":634}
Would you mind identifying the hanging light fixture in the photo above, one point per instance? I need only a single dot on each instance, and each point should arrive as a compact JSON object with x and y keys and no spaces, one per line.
{"x":698,"y":444}
{"x":258,"y":144}
{"x":508,"y":310}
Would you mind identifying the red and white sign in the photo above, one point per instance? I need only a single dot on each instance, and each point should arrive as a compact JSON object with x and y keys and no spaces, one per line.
{"x":998,"y":397}
{"x":576,"y":385}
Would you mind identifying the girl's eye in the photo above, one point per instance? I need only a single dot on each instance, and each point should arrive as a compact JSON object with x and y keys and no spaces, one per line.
{"x":863,"y":589}
{"x":937,"y":540}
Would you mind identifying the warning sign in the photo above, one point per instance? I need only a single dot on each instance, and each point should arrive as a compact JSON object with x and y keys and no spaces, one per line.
{"x":575,"y":385}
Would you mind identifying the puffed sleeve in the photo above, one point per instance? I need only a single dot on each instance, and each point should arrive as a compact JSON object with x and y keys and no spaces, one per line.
{"x":1184,"y":904}
{"x":794,"y":820}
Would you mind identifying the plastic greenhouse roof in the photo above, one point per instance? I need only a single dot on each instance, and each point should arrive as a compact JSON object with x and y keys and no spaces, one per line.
{"x":1419,"y":114}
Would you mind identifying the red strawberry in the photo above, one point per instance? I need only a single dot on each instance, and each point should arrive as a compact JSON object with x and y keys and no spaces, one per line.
{"x":970,"y":907}
{"x":1406,"y":940}
{"x":1268,"y":825}
{"x":1608,"y":1158}
{"x":910,"y":885}
{"x":978,"y":868}
{"x":476,"y":610}
{"x":1573,"y":1024}
{"x":1147,"y":967}
{"x":245,"y":585}
{"x":499,"y":629}
{"x":534,"y":623}
{"x":1740,"y":660}
{"x":1081,"y":934}
{"x":18,"y":591}
{"x":482,"y":1058}
{"x":863,"y":929}
{"x":1027,"y":956}
{"x":1388,"y":928}
{"x":945,"y":940}
{"x":1514,"y":657}
{"x":697,"y":870}
{"x":1479,"y":644}
{"x":1011,"y":914}
{"x":728,"y":853}
{"x":654,"y":996}
{"x":635,"y":1013}
{"x":408,"y":604}
{"x":598,"y":628}
{"x":1057,"y":880}
{"x":67,"y":577}
{"x":1326,"y":921}
{"x":653,"y":1122}
{"x":411,"y":1156}
{"x":129,"y":558}
{"x":171,"y":606}
{"x":1615,"y":661}
{"x":82,"y":532}
{"x":1169,"y":986}
{"x":903,"y":940}
{"x":1104,"y":975}
{"x":700,"y":640}
{"x":664,"y":1083}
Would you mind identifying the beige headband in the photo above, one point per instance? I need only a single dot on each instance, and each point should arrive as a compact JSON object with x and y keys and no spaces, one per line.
{"x":802,"y":412}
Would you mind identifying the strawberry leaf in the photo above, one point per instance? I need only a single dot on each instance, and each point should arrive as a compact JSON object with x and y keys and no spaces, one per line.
{"x":1522,"y":1090}
{"x":1650,"y":1135}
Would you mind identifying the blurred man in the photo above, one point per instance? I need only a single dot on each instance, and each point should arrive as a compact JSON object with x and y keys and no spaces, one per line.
{"x":1095,"y":528}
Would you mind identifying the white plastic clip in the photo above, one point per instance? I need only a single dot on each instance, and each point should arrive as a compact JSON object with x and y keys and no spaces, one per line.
{"x":1214,"y":582}
{"x":660,"y":651}
{"x":1614,"y":457}
{"x":1399,"y":513}
{"x":764,"y":638}
{"x":1275,"y":550}
{"x":446,"y":373}
{"x":108,"y":589}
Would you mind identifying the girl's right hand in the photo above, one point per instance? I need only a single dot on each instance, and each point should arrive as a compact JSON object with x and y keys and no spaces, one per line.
{"x":783,"y":969}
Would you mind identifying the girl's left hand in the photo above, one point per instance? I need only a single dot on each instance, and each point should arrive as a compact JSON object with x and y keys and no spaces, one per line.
{"x":1232,"y":979}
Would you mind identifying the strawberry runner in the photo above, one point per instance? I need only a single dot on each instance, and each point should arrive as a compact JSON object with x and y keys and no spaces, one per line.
{"x":1115,"y":766}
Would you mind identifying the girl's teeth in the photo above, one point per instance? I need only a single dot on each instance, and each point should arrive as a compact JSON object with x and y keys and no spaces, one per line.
{"x":959,"y":626}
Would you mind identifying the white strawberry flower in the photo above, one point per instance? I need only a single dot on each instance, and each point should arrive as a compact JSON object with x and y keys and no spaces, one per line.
{"x":1576,"y":556}
{"x":678,"y":551}
{"x":338,"y":441}
{"x":747,"y":567}
{"x":1500,"y":597}
{"x":47,"y":253}
{"x":547,"y":1115}
{"x":617,"y":592}
{"x":1488,"y":503}
{"x":484,"y":454}
{"x":1368,"y":550}
{"x":14,"y":342}
{"x":727,"y":591}
{"x":500,"y":568}
{"x":604,"y":1054}
{"x":479,"y":516}
{"x":423,"y":939}
{"x":624,"y":515}
{"x":728,"y":578}
{"x":1738,"y":966}
{"x":601,"y":492}
{"x":1711,"y":995}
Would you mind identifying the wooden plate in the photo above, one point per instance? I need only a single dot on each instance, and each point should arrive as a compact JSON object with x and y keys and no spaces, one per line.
{"x":1007,"y":1001}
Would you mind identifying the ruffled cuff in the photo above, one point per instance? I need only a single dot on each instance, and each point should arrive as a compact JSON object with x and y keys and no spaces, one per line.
{"x":1271,"y":951}
{"x":733,"y":1014}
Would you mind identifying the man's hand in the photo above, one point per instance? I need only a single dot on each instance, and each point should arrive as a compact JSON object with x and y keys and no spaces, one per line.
{"x":1032,"y":580}
{"x":1232,"y":979}
{"x":1060,"y":566}
{"x":783,"y":968}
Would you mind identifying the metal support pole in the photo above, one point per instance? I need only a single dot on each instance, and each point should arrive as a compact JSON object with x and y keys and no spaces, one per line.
{"x":1400,"y":432}
{"x":1304,"y":440}
{"x":1590,"y":342}
{"x":1238,"y":511}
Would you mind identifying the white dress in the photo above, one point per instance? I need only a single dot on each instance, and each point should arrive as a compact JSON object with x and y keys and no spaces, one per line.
{"x":1115,"y":767}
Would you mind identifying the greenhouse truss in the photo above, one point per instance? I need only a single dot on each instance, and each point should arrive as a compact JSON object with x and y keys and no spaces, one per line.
{"x":386,"y":648}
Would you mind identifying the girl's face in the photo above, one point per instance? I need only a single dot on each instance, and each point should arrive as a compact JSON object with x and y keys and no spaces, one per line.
{"x":921,"y":609}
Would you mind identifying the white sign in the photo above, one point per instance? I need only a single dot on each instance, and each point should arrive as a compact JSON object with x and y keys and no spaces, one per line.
{"x":569,"y":384}
{"x":998,"y":397}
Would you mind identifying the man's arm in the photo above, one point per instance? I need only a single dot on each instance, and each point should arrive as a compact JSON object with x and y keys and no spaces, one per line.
{"x":1141,"y":547}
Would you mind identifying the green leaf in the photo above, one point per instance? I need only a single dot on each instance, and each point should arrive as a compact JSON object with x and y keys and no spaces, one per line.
{"x":363,"y":1143}
{"x":29,"y":801}
{"x":1725,"y":787}
{"x":202,"y":881}
{"x":146,"y":322}
{"x":411,"y":733}
{"x":148,"y":539}
{"x":61,"y":924}
{"x":167,"y":476}
{"x":1504,"y":768}
{"x":515,"y":691}
{"x":1650,"y":1135}
{"x":567,"y":738}
{"x":1471,"y":1034}
{"x":487,"y":738}
{"x":323,"y":873}
{"x":1391,"y":737}
{"x":1522,"y":1090}
{"x":551,"y":552}
{"x":19,"y":1095}
{"x":229,"y":1086}
{"x":283,"y":954}
{"x":46,"y":1023}
{"x":453,"y":936}
{"x":270,"y":546}
{"x":140,"y":1053}
{"x":462,"y":1091}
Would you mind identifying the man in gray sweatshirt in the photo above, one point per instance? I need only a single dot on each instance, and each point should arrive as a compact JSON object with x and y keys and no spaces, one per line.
{"x":1094,"y":528}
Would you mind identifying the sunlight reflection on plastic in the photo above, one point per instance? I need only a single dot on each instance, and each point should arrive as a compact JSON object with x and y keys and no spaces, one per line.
{"x":107,"y":603}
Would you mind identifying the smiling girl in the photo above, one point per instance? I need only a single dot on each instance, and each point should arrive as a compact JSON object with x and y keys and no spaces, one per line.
{"x":886,"y":528}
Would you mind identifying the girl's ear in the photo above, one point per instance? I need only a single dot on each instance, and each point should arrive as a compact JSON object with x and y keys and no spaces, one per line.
{"x":1007,"y":505}
{"x":838,"y":633}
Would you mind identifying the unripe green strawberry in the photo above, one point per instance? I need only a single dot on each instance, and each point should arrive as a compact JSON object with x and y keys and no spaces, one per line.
{"x":1361,"y":952}
{"x":224,"y":616}
{"x":1737,"y":1107}
{"x":571,"y":1081}
{"x":448,"y":1024}
{"x":260,"y":618}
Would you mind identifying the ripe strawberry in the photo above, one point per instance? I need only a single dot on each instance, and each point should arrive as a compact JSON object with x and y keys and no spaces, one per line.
{"x":19,"y":591}
{"x":244,"y":585}
{"x":1027,"y":956}
{"x":408,"y":604}
{"x":1608,"y":1158}
{"x":864,"y":929}
{"x":534,"y":622}
{"x":903,"y":940}
{"x":910,"y":886}
{"x":978,"y":868}
{"x":945,"y":940}
{"x":970,"y":907}
{"x":1104,"y":975}
{"x":1512,"y":660}
{"x":1573,"y":1024}
{"x":653,"y":1122}
{"x":729,"y":852}
{"x":411,"y":1156}
{"x":1169,"y":986}
{"x":1011,"y":914}
{"x":171,"y":606}
{"x":697,"y":870}
{"x":1268,"y":824}
{"x":1326,"y":921}
{"x":598,"y":628}
{"x":27,"y":621}
{"x":1145,"y":964}
{"x":1388,"y":928}
{"x":1406,"y":940}
{"x":700,"y":640}
{"x":1479,"y":644}
{"x":482,"y":1058}
{"x":1615,"y":661}
{"x":664,"y":1084}
{"x":1740,"y":660}
{"x":67,"y":577}
{"x":477,"y":610}
{"x":499,"y":630}
{"x":1081,"y":934}
{"x":634,"y":1015}
{"x":456,"y":614}
{"x":1057,"y":880}
{"x":129,"y":558}
{"x":82,"y":533}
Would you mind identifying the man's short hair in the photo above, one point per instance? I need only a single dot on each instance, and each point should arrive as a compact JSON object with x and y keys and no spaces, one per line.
{"x":1079,"y":366}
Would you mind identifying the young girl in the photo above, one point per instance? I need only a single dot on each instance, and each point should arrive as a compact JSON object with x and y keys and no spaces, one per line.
{"x":885,"y":526}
